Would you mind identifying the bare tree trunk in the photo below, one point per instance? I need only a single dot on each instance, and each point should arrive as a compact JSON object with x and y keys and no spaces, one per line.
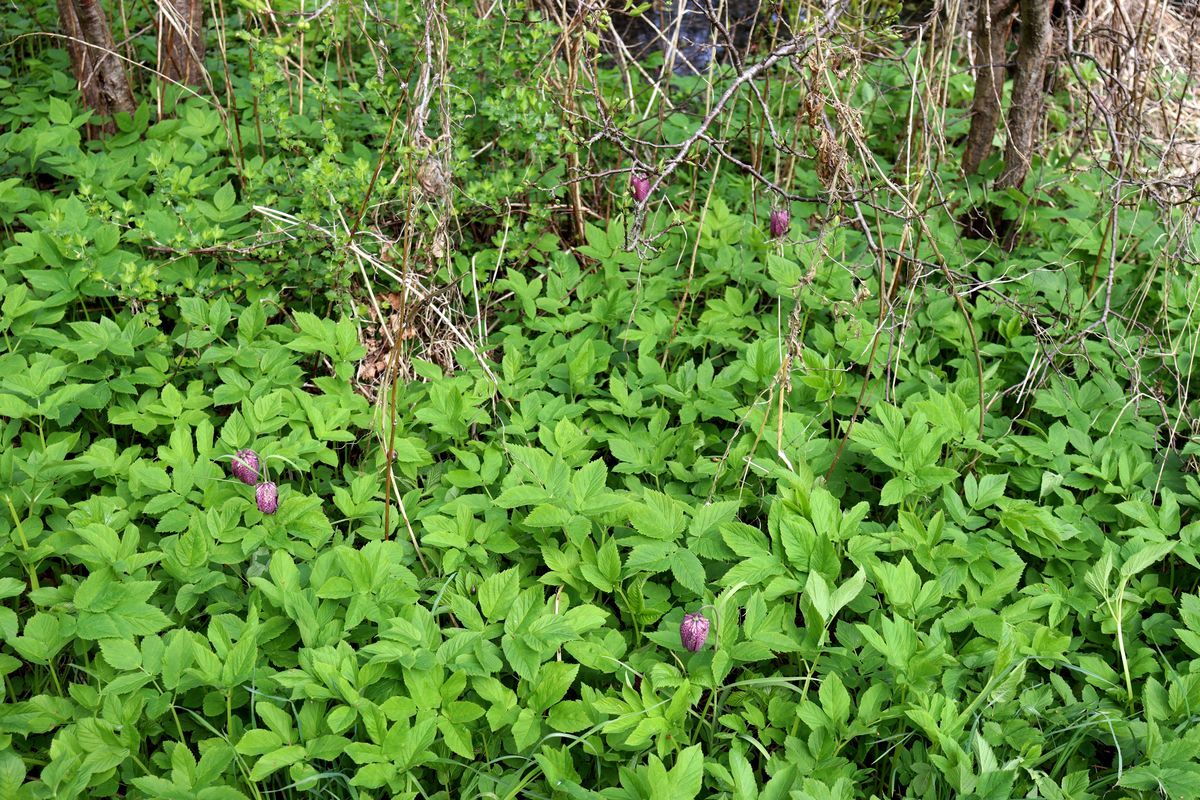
{"x":102,"y":79}
{"x":992,"y":21}
{"x":181,"y":40}
{"x":76,"y":47}
{"x":1025,"y":113}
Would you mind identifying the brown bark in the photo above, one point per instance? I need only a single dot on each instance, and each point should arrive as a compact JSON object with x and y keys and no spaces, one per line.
{"x":181,"y":40}
{"x":1025,"y":112}
{"x":101,"y":76}
{"x":76,"y":45}
{"x":993,"y":18}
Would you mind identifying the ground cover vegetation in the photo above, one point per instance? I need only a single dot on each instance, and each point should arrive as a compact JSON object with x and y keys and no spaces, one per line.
{"x":541,"y":353}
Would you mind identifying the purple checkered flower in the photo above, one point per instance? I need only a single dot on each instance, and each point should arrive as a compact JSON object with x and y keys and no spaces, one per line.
{"x":641,"y":186}
{"x":245,"y":466}
{"x":780,"y":220}
{"x":266,"y":494}
{"x":693,"y":631}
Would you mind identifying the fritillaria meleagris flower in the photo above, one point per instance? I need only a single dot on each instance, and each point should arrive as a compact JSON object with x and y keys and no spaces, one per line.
{"x":640,"y":185}
{"x":266,"y":494}
{"x":693,"y":631}
{"x":245,"y":466}
{"x":780,"y":220}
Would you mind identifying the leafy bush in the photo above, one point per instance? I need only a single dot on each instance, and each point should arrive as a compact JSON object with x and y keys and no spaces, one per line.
{"x":474,"y":585}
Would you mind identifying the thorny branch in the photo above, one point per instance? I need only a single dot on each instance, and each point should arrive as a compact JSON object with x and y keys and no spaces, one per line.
{"x":795,"y":47}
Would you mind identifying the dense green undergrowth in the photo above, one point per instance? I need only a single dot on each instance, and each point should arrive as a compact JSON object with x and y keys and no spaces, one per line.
{"x":948,"y":604}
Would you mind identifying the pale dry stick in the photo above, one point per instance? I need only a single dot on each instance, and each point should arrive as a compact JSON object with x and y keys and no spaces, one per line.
{"x":412,"y":535}
{"x":377,"y":47}
{"x":775,"y":384}
{"x":425,"y":83}
{"x":1119,"y":180}
{"x":912,"y":107}
{"x":943,"y":108}
{"x":915,"y":213}
{"x":422,"y":294}
{"x":1146,"y":287}
{"x":171,"y":15}
{"x":441,"y":315}
{"x":903,"y":324}
{"x":557,"y":597}
{"x":670,"y":45}
{"x":1110,"y":281}
{"x":624,"y":58}
{"x":393,"y":378}
{"x":479,"y":323}
{"x":1138,"y":396}
{"x":1116,"y":156}
{"x":127,"y":42}
{"x":783,"y":194}
{"x":894,"y":345}
{"x":1190,"y":71}
{"x":508,"y":210}
{"x":733,"y":438}
{"x":320,"y":11}
{"x":797,"y":46}
{"x":231,"y":110}
{"x":687,"y":289}
{"x":387,"y":332}
{"x":573,"y":167}
{"x":1031,"y":380}
{"x":782,"y":379}
{"x":876,"y":336}
{"x":383,"y":151}
{"x":160,"y":99}
{"x":1183,"y":233}
{"x":1140,"y":45}
{"x":864,"y":154}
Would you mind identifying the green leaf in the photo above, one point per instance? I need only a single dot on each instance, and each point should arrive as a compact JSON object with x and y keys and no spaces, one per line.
{"x":554,"y":680}
{"x":848,"y":591}
{"x":496,"y":593}
{"x":687,"y":774}
{"x":225,"y":197}
{"x":456,"y":737}
{"x":256,"y":742}
{"x":816,"y":589}
{"x":59,"y":111}
{"x":744,"y":540}
{"x":569,"y":716}
{"x":12,"y":773}
{"x":176,"y":658}
{"x":659,"y":517}
{"x":744,"y":785}
{"x":835,"y":700}
{"x":521,"y":495}
{"x":276,"y":760}
{"x":984,"y":492}
{"x":688,"y":570}
{"x":121,"y":654}
{"x":608,"y":561}
{"x":1144,"y":556}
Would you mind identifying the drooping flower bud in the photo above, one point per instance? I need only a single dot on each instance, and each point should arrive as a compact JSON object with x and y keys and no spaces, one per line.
{"x":266,"y":494}
{"x":780,"y":220}
{"x":693,"y":631}
{"x":641,"y":186}
{"x":245,"y":466}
